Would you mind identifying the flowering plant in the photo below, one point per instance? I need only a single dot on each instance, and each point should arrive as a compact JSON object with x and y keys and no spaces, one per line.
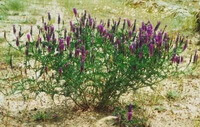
{"x":94,"y":64}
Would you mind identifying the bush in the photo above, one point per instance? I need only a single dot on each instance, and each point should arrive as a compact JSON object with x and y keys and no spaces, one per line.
{"x":94,"y":64}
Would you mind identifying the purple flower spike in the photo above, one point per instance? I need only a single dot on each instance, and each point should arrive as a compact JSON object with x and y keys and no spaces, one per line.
{"x":130,"y":115}
{"x":108,"y":23}
{"x":195,"y":59}
{"x":31,"y":31}
{"x":134,"y":26}
{"x":17,"y":41}
{"x":75,"y":11}
{"x":61,"y":45}
{"x":130,"y":108}
{"x":45,"y":27}
{"x":159,"y":39}
{"x":28,"y":37}
{"x":151,"y":49}
{"x":144,"y":27}
{"x":14,"y":29}
{"x":185,"y":46}
{"x":49,"y":16}
{"x":68,"y":39}
{"x":90,"y":22}
{"x":48,"y":37}
{"x":166,"y":37}
{"x":149,"y":30}
{"x":100,"y":28}
{"x":52,"y":29}
{"x":130,"y":33}
{"x":132,"y":48}
{"x":72,"y":26}
{"x":157,"y":26}
{"x":60,"y":70}
{"x":59,"y":19}
{"x":82,"y":66}
{"x":77,"y":52}
{"x":129,"y":23}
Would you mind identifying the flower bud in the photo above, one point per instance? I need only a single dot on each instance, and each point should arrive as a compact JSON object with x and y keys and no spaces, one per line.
{"x":75,"y":12}
{"x":68,"y":39}
{"x":157,"y":26}
{"x":130,"y":115}
{"x":128,"y":23}
{"x":17,"y":41}
{"x":49,"y":16}
{"x":28,"y":37}
{"x":31,"y":31}
{"x":59,"y":19}
{"x":14,"y":29}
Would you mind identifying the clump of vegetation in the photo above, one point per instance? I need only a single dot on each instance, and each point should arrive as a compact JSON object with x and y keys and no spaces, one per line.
{"x":173,"y":95}
{"x":15,"y":5}
{"x":95,"y":63}
{"x":44,"y":116}
{"x":11,"y":5}
{"x":131,"y":116}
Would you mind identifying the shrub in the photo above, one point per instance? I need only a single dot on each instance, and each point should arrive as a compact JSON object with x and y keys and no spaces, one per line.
{"x":94,"y":64}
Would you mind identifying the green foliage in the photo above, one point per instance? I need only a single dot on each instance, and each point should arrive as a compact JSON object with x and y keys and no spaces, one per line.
{"x":41,"y":116}
{"x":15,"y":5}
{"x":173,"y":95}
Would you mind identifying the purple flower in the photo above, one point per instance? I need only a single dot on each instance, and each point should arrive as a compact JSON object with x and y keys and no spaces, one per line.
{"x":129,"y":23}
{"x":28,"y":37}
{"x":144,"y":27}
{"x":157,"y":26}
{"x":38,"y":42}
{"x":65,"y":33}
{"x":49,"y":16}
{"x":149,"y":30}
{"x":59,"y":19}
{"x":60,"y":70}
{"x":52,"y":29}
{"x":130,"y":108}
{"x":75,"y":11}
{"x":14,"y":29}
{"x":45,"y":27}
{"x":48,"y":37}
{"x":31,"y":31}
{"x":130,"y":33}
{"x":195,"y":59}
{"x":68,"y":39}
{"x":132,"y":48}
{"x":4,"y":34}
{"x":90,"y":22}
{"x":166,"y":37}
{"x":100,"y":28}
{"x":72,"y":26}
{"x":108,"y":23}
{"x":61,"y":45}
{"x":130,"y":115}
{"x":17,"y":41}
{"x":49,"y":48}
{"x":134,"y":26}
{"x":82,"y":66}
{"x":77,"y":51}
{"x":185,"y":46}
{"x":151,"y":49}
{"x":159,"y":39}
